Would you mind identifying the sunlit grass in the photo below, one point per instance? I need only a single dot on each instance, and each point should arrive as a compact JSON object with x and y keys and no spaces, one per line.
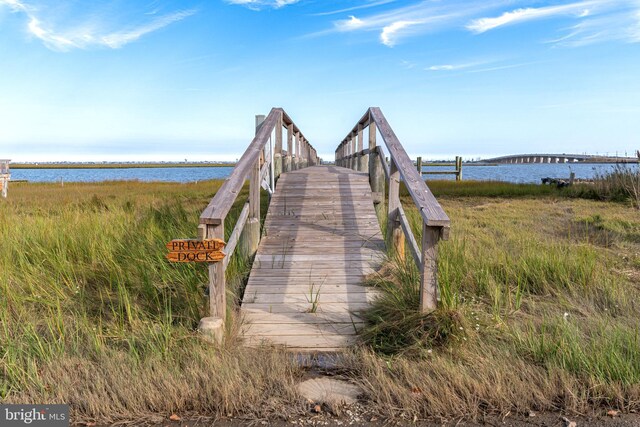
{"x":539,"y":302}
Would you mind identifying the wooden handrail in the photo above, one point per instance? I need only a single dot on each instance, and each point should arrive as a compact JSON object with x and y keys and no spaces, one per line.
{"x":262,"y":162}
{"x":427,"y":205}
{"x":435,"y":222}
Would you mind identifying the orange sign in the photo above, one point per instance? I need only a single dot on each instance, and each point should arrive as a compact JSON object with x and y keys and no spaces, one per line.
{"x":192,"y":250}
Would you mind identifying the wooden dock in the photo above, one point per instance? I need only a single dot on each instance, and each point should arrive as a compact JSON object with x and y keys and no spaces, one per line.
{"x":321,"y":237}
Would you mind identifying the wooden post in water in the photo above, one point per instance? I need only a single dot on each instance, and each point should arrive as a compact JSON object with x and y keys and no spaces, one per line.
{"x":395,"y":236}
{"x":5,"y":176}
{"x":419,"y":165}
{"x":458,"y":168}
{"x":277,"y":151}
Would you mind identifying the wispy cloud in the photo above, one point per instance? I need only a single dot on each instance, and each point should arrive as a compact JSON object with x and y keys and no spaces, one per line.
{"x":618,"y":26}
{"x":261,"y":4}
{"x":477,"y":66}
{"x":453,"y":67}
{"x":597,"y":21}
{"x":418,"y":18}
{"x":81,"y":32}
{"x":359,"y":7}
{"x":391,"y":32}
{"x":594,"y":20}
{"x":481,"y":25}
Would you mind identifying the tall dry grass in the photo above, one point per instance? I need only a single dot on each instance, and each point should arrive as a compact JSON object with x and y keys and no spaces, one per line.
{"x":539,"y":310}
{"x":539,"y":303}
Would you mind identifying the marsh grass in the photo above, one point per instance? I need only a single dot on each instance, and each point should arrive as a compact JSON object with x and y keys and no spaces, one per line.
{"x":539,"y":303}
{"x":623,"y":183}
{"x":538,"y":310}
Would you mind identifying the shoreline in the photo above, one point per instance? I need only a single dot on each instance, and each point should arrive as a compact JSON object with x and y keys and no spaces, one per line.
{"x":118,"y":165}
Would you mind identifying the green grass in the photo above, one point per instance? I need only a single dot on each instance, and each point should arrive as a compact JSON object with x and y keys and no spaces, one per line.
{"x":540,"y":294}
{"x":539,"y":302}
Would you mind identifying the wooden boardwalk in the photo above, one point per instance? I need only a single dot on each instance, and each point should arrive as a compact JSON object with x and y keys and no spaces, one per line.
{"x":321,"y":238}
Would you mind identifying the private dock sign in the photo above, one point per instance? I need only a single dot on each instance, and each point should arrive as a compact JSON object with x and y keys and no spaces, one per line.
{"x":193,"y":250}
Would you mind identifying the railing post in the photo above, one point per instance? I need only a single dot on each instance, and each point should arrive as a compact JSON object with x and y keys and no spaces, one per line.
{"x":212,"y":327}
{"x":287,"y":160}
{"x":295,"y":165}
{"x":217,"y":294}
{"x":348,"y":153}
{"x":395,"y":236}
{"x":305,"y":152}
{"x":376,"y":173}
{"x":354,"y":153}
{"x":429,"y":270}
{"x":363,"y":159}
{"x":277,"y":151}
{"x":250,"y":238}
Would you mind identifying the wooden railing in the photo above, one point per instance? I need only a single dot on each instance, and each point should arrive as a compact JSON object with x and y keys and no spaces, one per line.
{"x":262,"y":163}
{"x":435,"y":222}
{"x":457,"y":165}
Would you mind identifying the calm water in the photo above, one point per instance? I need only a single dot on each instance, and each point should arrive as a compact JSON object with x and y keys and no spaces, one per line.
{"x":141,"y":174}
{"x":525,"y":173}
{"x":531,"y":173}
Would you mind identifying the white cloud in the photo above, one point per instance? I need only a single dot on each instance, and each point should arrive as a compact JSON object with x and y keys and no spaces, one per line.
{"x":418,"y":18}
{"x":15,"y":5}
{"x":619,"y":26}
{"x":81,"y":32}
{"x":528,"y":14}
{"x":118,"y":39}
{"x":260,"y":4}
{"x":359,"y":7}
{"x":350,"y":24}
{"x":590,"y":21}
{"x":391,"y":32}
{"x":453,"y":67}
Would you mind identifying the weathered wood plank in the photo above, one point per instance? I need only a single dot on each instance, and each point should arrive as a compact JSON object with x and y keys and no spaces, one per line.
{"x":314,"y":297}
{"x":235,"y":234}
{"x":302,"y":342}
{"x":299,"y":328}
{"x":306,"y":318}
{"x":305,"y":307}
{"x":413,"y":244}
{"x":321,"y":239}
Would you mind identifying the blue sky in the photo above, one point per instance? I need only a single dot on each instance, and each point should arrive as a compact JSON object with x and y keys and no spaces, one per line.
{"x":169,"y":80}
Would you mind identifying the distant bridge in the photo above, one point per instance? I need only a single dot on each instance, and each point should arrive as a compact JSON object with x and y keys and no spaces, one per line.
{"x":559,"y":158}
